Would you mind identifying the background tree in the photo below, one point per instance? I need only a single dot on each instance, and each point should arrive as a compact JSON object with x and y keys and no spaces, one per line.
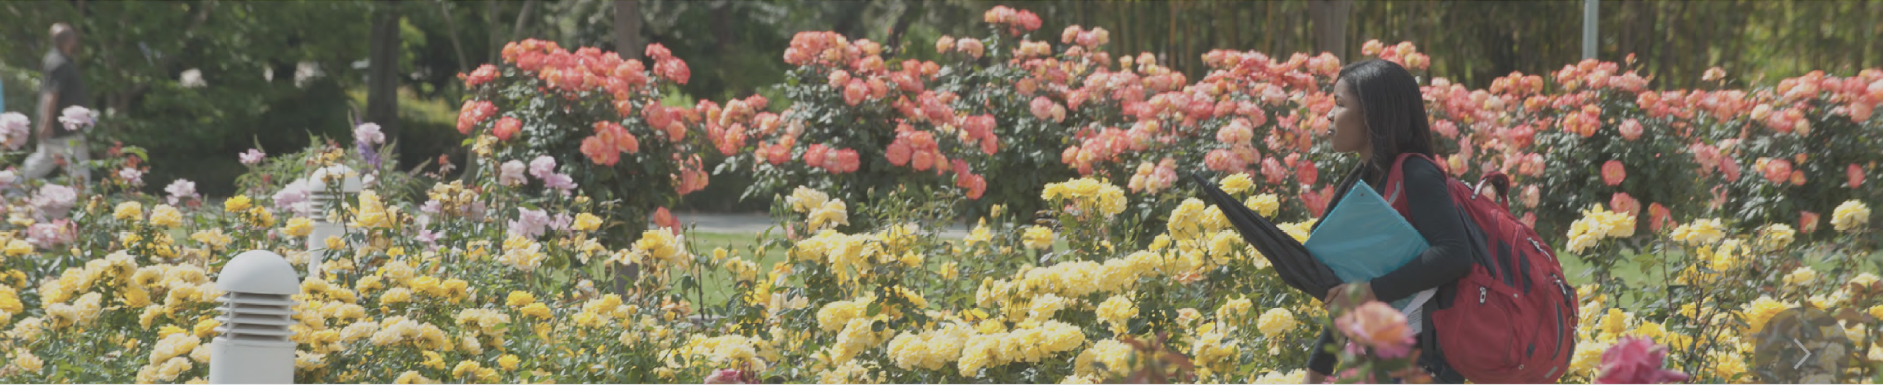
{"x":274,"y":73}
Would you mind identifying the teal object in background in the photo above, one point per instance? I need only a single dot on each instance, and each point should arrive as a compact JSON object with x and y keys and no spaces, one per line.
{"x":1364,"y":237}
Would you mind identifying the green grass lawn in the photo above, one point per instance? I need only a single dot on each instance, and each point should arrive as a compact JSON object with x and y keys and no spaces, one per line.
{"x":717,"y":284}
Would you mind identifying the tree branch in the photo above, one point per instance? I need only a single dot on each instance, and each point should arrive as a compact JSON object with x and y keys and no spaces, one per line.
{"x":123,"y":101}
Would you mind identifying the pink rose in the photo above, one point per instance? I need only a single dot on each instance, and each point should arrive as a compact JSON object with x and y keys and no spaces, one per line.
{"x":1658,"y":216}
{"x":1613,"y":173}
{"x":1636,"y":360}
{"x":1446,"y":129}
{"x":726,"y":376}
{"x":664,"y":218}
{"x":506,"y":128}
{"x":1377,"y":325}
{"x":1630,"y":129}
{"x":1530,"y":196}
{"x":1808,"y":222}
{"x":1777,"y":171}
{"x":1042,"y":108}
{"x":1622,"y":203}
{"x":1306,"y":173}
{"x":1856,"y":175}
{"x":1729,"y":167}
{"x":1273,"y":171}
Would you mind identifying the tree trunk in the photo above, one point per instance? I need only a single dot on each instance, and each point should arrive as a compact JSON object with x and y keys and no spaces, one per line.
{"x":382,"y":81}
{"x":1330,"y":25}
{"x":516,"y":33}
{"x":495,"y":46}
{"x":850,"y":19}
{"x":457,"y":45}
{"x":628,"y":29}
{"x":723,"y":38}
{"x":910,"y":12}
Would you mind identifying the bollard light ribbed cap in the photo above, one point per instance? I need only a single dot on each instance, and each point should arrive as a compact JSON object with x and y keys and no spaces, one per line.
{"x":259,"y":272}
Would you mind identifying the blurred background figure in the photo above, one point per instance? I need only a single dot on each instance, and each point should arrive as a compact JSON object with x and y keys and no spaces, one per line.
{"x":60,"y":88}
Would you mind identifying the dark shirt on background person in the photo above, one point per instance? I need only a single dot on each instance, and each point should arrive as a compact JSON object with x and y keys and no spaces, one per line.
{"x":61,"y":74}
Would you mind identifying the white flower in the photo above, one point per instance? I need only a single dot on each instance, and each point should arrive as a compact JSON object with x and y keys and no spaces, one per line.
{"x":369,"y":133}
{"x":192,"y":78}
{"x":180,"y":189}
{"x":294,"y":197}
{"x":511,"y":173}
{"x":252,"y":157}
{"x":54,"y":199}
{"x":14,"y":128}
{"x":77,"y":118}
{"x":131,"y":175}
{"x":543,"y":166}
{"x":561,"y":182}
{"x":306,"y":71}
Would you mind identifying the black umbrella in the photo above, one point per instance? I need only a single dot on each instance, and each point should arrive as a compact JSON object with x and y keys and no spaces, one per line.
{"x":1292,"y":261}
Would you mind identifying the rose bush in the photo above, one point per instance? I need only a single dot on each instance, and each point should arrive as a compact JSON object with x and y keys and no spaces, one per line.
{"x":505,"y":274}
{"x":552,"y":122}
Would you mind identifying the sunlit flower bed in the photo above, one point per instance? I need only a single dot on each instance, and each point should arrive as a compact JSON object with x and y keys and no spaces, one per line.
{"x":1087,"y":259}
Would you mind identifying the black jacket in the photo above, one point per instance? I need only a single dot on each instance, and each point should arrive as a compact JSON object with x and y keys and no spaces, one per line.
{"x":1449,"y":258}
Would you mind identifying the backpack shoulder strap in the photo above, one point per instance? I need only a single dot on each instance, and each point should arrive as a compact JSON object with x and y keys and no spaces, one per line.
{"x":1396,"y":179}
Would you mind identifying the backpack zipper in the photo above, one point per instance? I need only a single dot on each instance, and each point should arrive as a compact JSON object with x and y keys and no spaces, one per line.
{"x":1539,"y":249}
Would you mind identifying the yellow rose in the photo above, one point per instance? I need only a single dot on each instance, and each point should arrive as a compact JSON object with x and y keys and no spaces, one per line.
{"x":1265,"y":204}
{"x":1038,"y":237}
{"x":1237,"y":183}
{"x":236,"y":204}
{"x":587,"y":222}
{"x":207,"y":328}
{"x":519,"y":298}
{"x":508,"y":362}
{"x":1852,"y":214}
{"x":412,"y":377}
{"x":300,"y":227}
{"x":396,"y":295}
{"x":1802,"y":276}
{"x":129,"y":211}
{"x":260,"y":217}
{"x":18,"y":247}
{"x":537,"y":310}
{"x":166,"y":216}
{"x":25,"y":359}
{"x":1276,"y":321}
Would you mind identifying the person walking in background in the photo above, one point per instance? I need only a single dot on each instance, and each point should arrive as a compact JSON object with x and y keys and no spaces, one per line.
{"x":60,"y":89}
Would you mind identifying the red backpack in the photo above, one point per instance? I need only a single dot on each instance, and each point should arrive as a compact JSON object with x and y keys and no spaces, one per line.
{"x":1513,"y":318}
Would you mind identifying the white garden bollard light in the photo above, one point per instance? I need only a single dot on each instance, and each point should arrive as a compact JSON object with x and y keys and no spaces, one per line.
{"x":321,"y":200}
{"x":251,"y":346}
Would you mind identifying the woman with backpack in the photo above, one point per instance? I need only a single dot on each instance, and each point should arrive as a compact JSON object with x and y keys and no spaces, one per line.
{"x":1379,"y":114}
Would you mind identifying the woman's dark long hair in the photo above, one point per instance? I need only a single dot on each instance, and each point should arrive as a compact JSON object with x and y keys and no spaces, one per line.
{"x":1394,"y":110}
